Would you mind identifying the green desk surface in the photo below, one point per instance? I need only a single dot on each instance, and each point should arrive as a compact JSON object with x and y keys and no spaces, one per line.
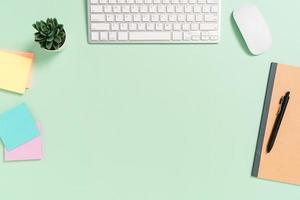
{"x":144,"y":122}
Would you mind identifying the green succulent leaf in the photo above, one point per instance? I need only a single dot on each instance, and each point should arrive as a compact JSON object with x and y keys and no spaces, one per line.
{"x":49,"y":45}
{"x":58,"y":40}
{"x":56,"y":45}
{"x":38,"y":37}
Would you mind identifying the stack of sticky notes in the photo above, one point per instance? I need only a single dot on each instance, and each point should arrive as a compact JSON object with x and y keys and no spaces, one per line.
{"x":15,"y":71}
{"x":20,"y":134}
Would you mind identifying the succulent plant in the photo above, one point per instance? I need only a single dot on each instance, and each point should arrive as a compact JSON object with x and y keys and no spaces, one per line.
{"x":50,"y":35}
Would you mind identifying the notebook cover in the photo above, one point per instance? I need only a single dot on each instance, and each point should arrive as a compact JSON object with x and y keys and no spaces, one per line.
{"x":263,"y":120}
{"x":283,"y":162}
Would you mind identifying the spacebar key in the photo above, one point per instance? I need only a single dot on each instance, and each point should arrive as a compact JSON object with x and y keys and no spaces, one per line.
{"x":149,"y":36}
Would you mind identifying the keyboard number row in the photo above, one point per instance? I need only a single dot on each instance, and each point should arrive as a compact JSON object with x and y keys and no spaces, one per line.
{"x":93,"y":2}
{"x":154,"y":8}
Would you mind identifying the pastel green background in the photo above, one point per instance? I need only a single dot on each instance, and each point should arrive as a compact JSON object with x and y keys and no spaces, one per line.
{"x":144,"y":122}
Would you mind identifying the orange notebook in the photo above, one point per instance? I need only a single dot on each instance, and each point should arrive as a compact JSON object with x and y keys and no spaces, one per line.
{"x":283,"y":162}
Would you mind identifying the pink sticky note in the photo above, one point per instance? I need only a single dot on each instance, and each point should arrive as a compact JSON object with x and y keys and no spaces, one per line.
{"x":31,"y":150}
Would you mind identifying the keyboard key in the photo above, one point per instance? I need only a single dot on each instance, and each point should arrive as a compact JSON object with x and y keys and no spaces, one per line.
{"x":172,"y":18}
{"x":119,"y":18}
{"x":208,"y":26}
{"x":140,"y":36}
{"x":214,"y":9}
{"x":210,"y":18}
{"x":145,"y":18}
{"x":114,"y":26}
{"x":127,"y":18}
{"x":141,"y":26}
{"x":186,"y":27}
{"x":150,"y":27}
{"x":177,"y":35}
{"x":170,"y":9}
{"x":137,"y":18}
{"x":116,"y":8}
{"x":107,"y":9}
{"x":123,"y":36}
{"x":168,"y":26}
{"x":197,"y":9}
{"x":161,"y":8}
{"x":96,"y":9}
{"x":99,"y":26}
{"x":103,"y":36}
{"x":163,"y":18}
{"x":188,"y":8}
{"x":206,"y":9}
{"x":134,"y":8}
{"x":181,"y":18}
{"x":190,"y":18}
{"x":186,"y":36}
{"x":195,"y":33}
{"x":97,"y":18}
{"x":177,"y":27}
{"x":155,"y":17}
{"x":194,"y":26}
{"x":159,"y":26}
{"x":199,"y":18}
{"x":205,"y":38}
{"x":212,"y":1}
{"x":214,"y":37}
{"x":95,"y":36}
{"x":132,"y":27}
{"x":179,"y":8}
{"x":112,"y":36}
{"x":110,"y":17}
{"x":94,"y":1}
{"x":143,"y":9}
{"x":125,"y":9}
{"x":124,"y":27}
{"x":213,"y":33}
{"x":153,"y":9}
{"x":196,"y":37}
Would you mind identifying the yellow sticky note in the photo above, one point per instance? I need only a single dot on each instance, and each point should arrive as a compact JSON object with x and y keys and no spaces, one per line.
{"x":14,"y":72}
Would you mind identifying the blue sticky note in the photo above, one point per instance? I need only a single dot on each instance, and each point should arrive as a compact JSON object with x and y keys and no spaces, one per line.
{"x":17,"y":127}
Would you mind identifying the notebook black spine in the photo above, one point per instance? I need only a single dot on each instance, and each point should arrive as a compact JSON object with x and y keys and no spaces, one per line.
{"x":263,"y":121}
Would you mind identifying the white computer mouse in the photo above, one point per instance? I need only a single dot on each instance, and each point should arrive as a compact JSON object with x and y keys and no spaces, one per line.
{"x":254,"y":28}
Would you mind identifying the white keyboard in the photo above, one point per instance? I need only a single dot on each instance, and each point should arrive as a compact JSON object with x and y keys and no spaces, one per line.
{"x":154,"y":21}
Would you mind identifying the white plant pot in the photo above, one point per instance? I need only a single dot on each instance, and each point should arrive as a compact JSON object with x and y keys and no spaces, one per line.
{"x":57,"y":50}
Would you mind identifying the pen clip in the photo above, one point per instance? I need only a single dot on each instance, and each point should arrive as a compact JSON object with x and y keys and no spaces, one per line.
{"x":280,"y":105}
